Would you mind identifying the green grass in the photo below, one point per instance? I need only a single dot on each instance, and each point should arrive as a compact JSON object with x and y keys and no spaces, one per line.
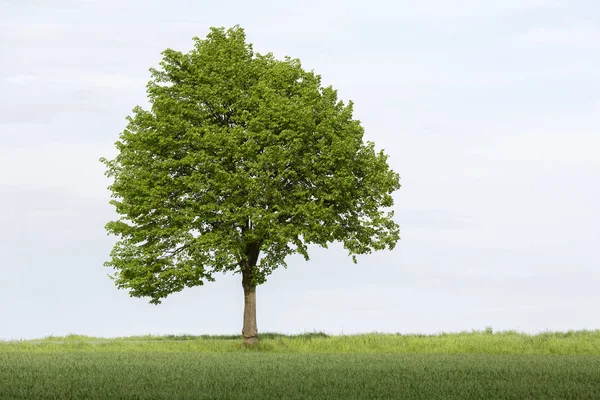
{"x":475,"y":365}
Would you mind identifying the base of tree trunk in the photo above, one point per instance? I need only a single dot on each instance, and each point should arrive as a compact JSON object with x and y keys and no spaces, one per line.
{"x":250,"y":341}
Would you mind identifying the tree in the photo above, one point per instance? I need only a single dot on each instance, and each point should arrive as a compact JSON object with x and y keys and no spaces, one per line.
{"x":241,"y":160}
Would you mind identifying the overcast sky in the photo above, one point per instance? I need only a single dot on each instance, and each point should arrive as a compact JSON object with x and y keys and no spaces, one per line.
{"x":490,"y":112}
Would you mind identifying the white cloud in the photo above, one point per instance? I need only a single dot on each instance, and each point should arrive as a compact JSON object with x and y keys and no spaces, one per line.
{"x":35,"y":31}
{"x":53,"y":3}
{"x":79,"y":79}
{"x":58,"y":166}
{"x":454,"y":8}
{"x":575,"y":36}
{"x":576,"y":148}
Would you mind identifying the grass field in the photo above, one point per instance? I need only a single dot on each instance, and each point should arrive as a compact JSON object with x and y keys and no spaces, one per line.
{"x":476,"y":365}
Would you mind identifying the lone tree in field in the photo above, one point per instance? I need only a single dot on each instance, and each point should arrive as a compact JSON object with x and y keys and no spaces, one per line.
{"x":241,"y":160}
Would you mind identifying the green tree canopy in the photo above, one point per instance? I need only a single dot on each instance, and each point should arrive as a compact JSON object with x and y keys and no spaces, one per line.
{"x":241,"y":160}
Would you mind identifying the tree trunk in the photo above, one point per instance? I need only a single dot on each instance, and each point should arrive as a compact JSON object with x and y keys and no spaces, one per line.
{"x":249,"y":331}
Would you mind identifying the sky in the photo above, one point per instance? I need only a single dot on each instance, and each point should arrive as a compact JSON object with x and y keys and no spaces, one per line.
{"x":489,"y":112}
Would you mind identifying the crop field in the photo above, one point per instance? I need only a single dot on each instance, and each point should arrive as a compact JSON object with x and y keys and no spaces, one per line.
{"x":476,"y":365}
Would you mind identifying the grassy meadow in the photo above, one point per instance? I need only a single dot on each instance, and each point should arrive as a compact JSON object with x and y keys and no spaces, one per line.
{"x":467,"y":365}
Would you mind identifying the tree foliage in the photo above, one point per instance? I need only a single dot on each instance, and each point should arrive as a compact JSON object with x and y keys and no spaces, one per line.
{"x":241,"y":160}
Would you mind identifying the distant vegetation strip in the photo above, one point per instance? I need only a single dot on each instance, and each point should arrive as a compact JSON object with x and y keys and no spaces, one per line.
{"x":585,"y":342}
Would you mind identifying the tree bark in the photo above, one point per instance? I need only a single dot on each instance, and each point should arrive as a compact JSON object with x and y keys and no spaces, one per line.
{"x":249,"y":330}
{"x":248,"y":267}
